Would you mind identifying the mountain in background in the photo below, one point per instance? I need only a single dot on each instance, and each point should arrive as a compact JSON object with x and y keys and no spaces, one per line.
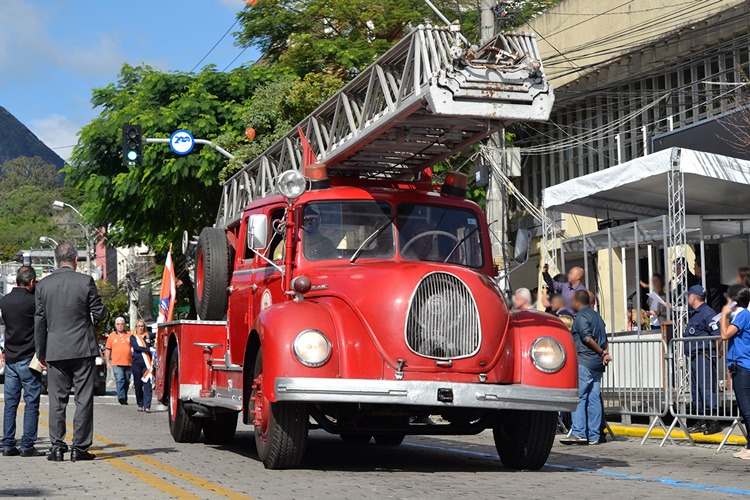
{"x":17,"y":140}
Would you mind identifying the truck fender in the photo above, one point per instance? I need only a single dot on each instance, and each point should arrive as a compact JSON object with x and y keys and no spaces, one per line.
{"x":526,"y":328}
{"x":277,"y":326}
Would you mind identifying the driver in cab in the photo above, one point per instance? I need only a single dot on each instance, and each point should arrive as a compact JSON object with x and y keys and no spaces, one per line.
{"x":316,"y":246}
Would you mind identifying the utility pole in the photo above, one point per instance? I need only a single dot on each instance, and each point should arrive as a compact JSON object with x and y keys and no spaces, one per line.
{"x":496,"y":142}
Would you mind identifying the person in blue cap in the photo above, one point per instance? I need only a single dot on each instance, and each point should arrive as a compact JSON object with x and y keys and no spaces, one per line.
{"x":703,"y":362}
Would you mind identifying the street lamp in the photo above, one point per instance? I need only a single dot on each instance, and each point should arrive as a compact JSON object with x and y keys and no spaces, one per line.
{"x":60,"y":205}
{"x":47,"y":239}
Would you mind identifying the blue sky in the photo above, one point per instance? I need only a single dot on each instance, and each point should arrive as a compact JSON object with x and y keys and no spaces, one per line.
{"x":53,"y":52}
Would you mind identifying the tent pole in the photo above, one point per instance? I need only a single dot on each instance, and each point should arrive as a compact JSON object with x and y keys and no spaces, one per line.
{"x":623,"y":256}
{"x":637,"y":278}
{"x":611,"y":284}
{"x":585,"y":262}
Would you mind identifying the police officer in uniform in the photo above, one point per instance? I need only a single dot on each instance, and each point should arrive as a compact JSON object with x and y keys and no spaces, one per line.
{"x":703,"y":363}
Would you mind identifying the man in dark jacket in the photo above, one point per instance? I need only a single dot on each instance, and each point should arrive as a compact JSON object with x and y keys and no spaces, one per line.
{"x":703,"y":361}
{"x":17,"y":309}
{"x":66,"y":339}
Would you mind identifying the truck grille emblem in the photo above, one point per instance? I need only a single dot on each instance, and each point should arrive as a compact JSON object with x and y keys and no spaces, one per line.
{"x":443,"y":320}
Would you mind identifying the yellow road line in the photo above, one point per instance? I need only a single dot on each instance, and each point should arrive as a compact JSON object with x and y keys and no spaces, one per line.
{"x":152,"y":462}
{"x":150,"y":479}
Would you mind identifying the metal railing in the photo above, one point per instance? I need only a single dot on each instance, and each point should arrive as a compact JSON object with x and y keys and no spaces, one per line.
{"x":685,"y":379}
{"x":636,"y":383}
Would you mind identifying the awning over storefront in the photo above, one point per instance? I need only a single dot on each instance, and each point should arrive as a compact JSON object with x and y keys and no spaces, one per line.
{"x":714,"y":185}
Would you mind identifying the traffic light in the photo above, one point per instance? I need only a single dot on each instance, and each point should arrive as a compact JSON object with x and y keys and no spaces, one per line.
{"x":132,"y":150}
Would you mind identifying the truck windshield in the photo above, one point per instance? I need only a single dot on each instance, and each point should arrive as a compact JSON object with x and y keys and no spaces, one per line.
{"x":439,"y":234}
{"x":335,"y":230}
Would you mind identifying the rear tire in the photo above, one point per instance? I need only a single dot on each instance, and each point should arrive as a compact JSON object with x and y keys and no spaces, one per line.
{"x":220,"y":429}
{"x":212,"y":272}
{"x":184,"y":427}
{"x":524,"y":438}
{"x":280,"y":428}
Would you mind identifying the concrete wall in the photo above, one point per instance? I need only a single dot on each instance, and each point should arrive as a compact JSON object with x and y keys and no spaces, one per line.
{"x":578,"y":37}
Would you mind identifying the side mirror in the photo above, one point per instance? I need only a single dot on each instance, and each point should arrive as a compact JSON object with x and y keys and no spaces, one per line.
{"x":522,"y":247}
{"x":257,"y":232}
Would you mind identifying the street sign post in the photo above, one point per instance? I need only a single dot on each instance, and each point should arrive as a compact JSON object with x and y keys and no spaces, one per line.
{"x":181,"y":142}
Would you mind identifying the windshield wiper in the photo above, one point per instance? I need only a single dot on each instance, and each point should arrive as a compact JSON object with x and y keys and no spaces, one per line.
{"x":370,"y":238}
{"x":468,"y":235}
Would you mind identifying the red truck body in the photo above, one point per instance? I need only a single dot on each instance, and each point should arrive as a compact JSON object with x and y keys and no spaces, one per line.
{"x":412,"y":328}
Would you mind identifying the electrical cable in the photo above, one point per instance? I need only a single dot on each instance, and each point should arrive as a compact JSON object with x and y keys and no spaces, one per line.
{"x":216,"y":45}
{"x":233,"y":60}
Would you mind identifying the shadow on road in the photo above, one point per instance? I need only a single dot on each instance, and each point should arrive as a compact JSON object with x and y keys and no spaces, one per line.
{"x":24,"y":492}
{"x":417,"y":454}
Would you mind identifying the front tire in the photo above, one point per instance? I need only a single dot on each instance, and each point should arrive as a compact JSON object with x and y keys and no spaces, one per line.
{"x":220,"y":429}
{"x":184,"y":427}
{"x":280,"y":428}
{"x":524,"y":438}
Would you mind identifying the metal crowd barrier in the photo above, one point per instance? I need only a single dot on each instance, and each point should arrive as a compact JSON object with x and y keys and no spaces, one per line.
{"x":702,"y":385}
{"x":687,"y":378}
{"x":636,"y":383}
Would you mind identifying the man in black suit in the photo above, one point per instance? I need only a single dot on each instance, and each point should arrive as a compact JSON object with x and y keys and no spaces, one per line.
{"x":66,"y":341}
{"x":17,"y":309}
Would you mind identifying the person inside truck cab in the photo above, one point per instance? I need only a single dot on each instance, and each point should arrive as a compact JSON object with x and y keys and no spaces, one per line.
{"x":316,"y":246}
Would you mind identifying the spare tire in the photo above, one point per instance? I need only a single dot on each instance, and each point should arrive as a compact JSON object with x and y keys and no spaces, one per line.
{"x":212,"y":274}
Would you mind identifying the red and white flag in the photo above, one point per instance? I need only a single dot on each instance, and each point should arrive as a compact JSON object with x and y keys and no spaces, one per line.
{"x":308,"y":155}
{"x":168,"y":291}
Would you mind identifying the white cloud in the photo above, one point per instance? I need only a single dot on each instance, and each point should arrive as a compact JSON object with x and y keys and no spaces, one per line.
{"x":57,"y":132}
{"x":26,"y":46}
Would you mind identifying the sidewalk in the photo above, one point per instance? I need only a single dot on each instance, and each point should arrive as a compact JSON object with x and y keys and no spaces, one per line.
{"x":637,"y":430}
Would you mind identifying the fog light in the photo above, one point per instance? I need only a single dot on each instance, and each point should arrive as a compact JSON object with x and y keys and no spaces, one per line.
{"x":547,"y":354}
{"x":312,"y":348}
{"x":99,"y":361}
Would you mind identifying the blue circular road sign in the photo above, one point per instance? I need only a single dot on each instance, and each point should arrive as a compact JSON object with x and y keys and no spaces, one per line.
{"x":181,"y":142}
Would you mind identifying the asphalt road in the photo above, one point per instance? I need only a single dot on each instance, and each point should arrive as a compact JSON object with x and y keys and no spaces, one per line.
{"x":137,"y":458}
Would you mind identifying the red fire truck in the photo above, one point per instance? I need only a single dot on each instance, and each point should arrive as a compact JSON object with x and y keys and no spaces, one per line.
{"x":352,"y":295}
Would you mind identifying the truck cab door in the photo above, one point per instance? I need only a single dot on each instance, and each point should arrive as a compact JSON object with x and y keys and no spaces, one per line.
{"x":241,"y":294}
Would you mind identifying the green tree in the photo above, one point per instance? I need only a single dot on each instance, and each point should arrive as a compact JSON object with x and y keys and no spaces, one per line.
{"x":116,"y":302}
{"x":155,"y":202}
{"x":320,"y":36}
{"x":28,"y":187}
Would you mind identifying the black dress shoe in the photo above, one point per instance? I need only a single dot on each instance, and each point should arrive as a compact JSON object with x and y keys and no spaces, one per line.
{"x":698,"y":427}
{"x":32,"y":452}
{"x":13,"y":452}
{"x":713,"y":428}
{"x":56,"y":455}
{"x":77,"y":455}
{"x":123,"y":401}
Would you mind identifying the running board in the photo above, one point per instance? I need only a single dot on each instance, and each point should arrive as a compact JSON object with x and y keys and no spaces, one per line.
{"x":219,"y":402}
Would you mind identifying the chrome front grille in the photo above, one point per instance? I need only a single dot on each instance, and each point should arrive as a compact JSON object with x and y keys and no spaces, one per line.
{"x":443,"y":320}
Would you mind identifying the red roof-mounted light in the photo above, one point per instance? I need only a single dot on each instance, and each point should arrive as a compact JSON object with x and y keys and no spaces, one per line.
{"x":455,"y":184}
{"x":317,"y":174}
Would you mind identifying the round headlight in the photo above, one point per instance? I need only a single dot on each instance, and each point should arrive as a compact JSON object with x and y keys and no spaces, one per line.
{"x":312,"y":348}
{"x":547,"y":354}
{"x":291,"y":184}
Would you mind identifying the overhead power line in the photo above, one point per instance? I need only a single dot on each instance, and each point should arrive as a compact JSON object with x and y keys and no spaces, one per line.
{"x":216,"y":44}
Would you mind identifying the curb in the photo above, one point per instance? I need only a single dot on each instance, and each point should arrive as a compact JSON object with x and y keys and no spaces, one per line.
{"x":632,"y":431}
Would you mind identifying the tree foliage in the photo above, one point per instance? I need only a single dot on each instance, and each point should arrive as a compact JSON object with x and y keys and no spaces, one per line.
{"x":155,"y":202}
{"x":325,"y":36}
{"x":28,"y":187}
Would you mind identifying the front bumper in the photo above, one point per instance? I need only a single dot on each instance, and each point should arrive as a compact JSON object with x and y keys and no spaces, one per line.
{"x":425,"y":393}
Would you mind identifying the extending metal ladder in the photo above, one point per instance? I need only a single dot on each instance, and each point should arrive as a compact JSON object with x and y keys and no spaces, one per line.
{"x":425,"y":99}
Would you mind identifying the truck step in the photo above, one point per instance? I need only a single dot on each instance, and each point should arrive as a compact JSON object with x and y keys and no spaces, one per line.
{"x":220,"y":402}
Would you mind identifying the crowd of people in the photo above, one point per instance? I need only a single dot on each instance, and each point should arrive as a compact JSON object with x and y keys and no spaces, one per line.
{"x":49,"y":325}
{"x":566,"y":297}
